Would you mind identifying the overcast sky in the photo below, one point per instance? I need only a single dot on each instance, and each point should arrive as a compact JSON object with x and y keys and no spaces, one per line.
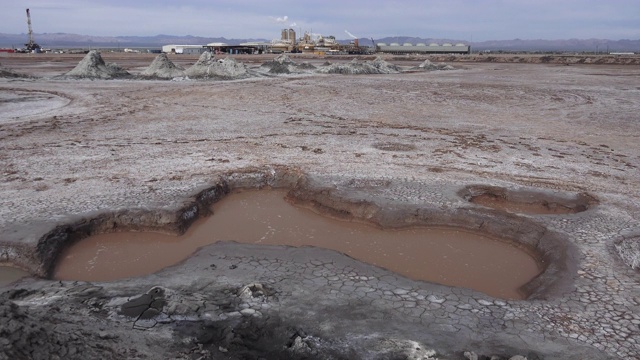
{"x":475,"y":20}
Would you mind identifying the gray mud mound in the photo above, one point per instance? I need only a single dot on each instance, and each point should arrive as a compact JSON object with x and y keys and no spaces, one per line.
{"x":377,"y":66}
{"x":162,"y":68}
{"x":92,"y":66}
{"x":629,"y":252}
{"x":208,"y":67}
{"x":8,"y":73}
{"x":282,"y":64}
{"x":427,"y":65}
{"x":284,"y":59}
{"x":306,"y":66}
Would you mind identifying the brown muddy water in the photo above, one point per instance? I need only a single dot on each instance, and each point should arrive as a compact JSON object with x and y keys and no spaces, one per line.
{"x":9,"y":274}
{"x":521,"y":207}
{"x":446,"y":256}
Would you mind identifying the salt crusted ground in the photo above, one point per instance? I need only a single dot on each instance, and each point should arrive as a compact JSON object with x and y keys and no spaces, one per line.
{"x":71,"y":148}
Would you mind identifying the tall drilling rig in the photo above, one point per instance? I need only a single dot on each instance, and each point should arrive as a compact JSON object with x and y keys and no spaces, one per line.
{"x":31,"y":46}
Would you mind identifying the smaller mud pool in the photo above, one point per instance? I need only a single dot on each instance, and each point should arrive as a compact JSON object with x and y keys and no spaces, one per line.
{"x":445,"y":256}
{"x":521,"y":207}
{"x":528,"y":201}
{"x":9,"y":274}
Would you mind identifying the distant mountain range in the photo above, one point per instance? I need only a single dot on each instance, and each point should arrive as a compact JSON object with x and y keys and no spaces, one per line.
{"x":63,"y":40}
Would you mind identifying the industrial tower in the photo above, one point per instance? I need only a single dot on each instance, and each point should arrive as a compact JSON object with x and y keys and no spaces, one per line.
{"x":31,"y":46}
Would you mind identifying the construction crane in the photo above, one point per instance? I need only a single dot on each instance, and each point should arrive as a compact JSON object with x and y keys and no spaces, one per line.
{"x":31,"y":46}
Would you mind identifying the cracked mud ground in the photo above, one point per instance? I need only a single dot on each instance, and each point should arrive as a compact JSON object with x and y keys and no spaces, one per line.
{"x":90,"y":147}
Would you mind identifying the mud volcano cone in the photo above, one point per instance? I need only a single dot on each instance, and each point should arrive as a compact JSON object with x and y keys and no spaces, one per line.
{"x":377,"y":66}
{"x":92,"y":66}
{"x":163,"y":68}
{"x":429,"y":66}
{"x":208,"y":67}
{"x":282,"y":64}
{"x":8,"y":73}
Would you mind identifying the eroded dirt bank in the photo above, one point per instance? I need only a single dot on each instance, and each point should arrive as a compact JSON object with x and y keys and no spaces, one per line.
{"x":136,"y":153}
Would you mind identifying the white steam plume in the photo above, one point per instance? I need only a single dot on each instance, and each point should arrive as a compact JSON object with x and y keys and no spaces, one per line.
{"x":350,"y":34}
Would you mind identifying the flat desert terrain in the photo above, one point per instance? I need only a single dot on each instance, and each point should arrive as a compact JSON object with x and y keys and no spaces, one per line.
{"x":414,"y":148}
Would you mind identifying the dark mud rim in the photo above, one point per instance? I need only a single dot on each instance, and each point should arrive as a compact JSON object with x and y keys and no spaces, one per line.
{"x":556,"y":256}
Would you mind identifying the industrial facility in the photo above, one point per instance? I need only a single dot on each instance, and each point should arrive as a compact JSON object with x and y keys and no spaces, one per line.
{"x":308,"y":43}
{"x":183,"y":49}
{"x":286,"y":43}
{"x":317,"y":44}
{"x":31,"y":46}
{"x":421,"y":48}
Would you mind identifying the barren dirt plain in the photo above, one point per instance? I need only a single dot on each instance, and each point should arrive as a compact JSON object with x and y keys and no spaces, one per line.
{"x":81,"y":157}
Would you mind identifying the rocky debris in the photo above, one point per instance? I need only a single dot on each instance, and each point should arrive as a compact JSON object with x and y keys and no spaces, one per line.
{"x":404,"y":349}
{"x":92,"y":66}
{"x":146,"y":306}
{"x":208,"y":67}
{"x":162,"y":68}
{"x":377,"y":66}
{"x":255,"y":290}
{"x":427,"y":65}
{"x":282,"y":64}
{"x":27,"y":336}
{"x":629,"y":251}
{"x":470,"y":355}
{"x":8,"y":73}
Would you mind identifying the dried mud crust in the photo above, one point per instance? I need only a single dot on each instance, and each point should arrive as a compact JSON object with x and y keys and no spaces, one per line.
{"x":137,"y":145}
{"x":237,"y":301}
{"x":18,"y":104}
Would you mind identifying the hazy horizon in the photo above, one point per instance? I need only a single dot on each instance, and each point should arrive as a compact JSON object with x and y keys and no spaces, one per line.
{"x":475,"y":21}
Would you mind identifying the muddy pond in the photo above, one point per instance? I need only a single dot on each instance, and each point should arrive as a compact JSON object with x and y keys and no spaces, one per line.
{"x":446,"y":256}
{"x":9,"y":274}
